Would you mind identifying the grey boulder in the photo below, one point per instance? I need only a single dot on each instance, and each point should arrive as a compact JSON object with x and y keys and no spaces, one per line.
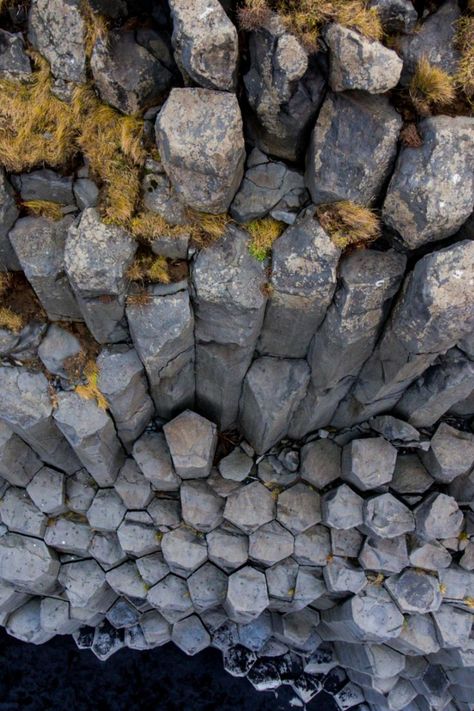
{"x":192,"y":441}
{"x":14,"y":62}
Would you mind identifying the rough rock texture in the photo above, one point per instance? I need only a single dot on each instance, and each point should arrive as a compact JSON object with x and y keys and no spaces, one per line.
{"x":14,"y":62}
{"x":8,"y":215}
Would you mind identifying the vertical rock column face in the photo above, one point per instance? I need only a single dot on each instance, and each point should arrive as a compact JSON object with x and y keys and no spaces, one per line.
{"x":97,"y":257}
{"x":8,"y":215}
{"x":304,"y":261}
{"x":229,"y":307}
{"x":433,"y":313}
{"x":347,"y":336}
{"x":26,"y":407}
{"x":163,"y":334}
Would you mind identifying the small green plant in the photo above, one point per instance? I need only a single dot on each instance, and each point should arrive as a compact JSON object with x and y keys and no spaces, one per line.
{"x":348,"y":224}
{"x":263,"y":234}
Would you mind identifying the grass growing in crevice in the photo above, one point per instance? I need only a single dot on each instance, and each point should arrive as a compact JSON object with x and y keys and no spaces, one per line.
{"x":44,"y":208}
{"x":263,"y":234}
{"x":348,"y":224}
{"x":431,"y":87}
{"x":10,"y":321}
{"x":90,"y":390}
{"x":96,"y":26}
{"x":465,"y":43}
{"x":149,"y":269}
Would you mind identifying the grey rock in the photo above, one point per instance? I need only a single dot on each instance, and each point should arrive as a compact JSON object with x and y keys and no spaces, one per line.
{"x":236,"y":466}
{"x":199,"y":136}
{"x":156,"y":629}
{"x":417,"y":636}
{"x":192,"y":443}
{"x":91,"y":433}
{"x":467,"y":559}
{"x":132,"y":486}
{"x":334,"y":171}
{"x":201,"y":507}
{"x":394,"y":430}
{"x":184,"y":550}
{"x":56,"y":347}
{"x":297,"y":629}
{"x":438,"y":516}
{"x":320,"y":462}
{"x":312,"y":547}
{"x":39,"y":245}
{"x":190,"y":635}
{"x":207,"y":587}
{"x":386,"y":517}
{"x":303,"y":280}
{"x":357,"y":62}
{"x":229,"y":307}
{"x":250,"y":507}
{"x":106,"y":511}
{"x":8,"y":215}
{"x":401,"y":695}
{"x":205,"y":43}
{"x":152,"y":568}
{"x":97,"y":257}
{"x":346,"y":543}
{"x":28,"y":564}
{"x":86,"y":193}
{"x":171,"y":598}
{"x":384,"y":555}
{"x":25,"y":623}
{"x":106,"y":550}
{"x":451,"y":453}
{"x":342,"y":508}
{"x":425,"y":182}
{"x":270,"y":543}
{"x":26,"y":341}
{"x":368,"y":463}
{"x":255,"y":635}
{"x":453,"y":626}
{"x":272,"y":473}
{"x":80,"y":490}
{"x":160,"y":196}
{"x":342,"y":578}
{"x":299,"y":508}
{"x":227,"y":548}
{"x":126,"y":580}
{"x":18,"y":462}
{"x":55,"y":616}
{"x":410,"y":476}
{"x":57,"y":30}
{"x":14,"y":62}
{"x":122,"y":380}
{"x":69,"y":535}
{"x":166,"y":513}
{"x":281,"y":582}
{"x":396,"y":15}
{"x":271,"y":392}
{"x":414,"y":591}
{"x":162,"y":332}
{"x":122,"y":614}
{"x":20,"y":514}
{"x":238,"y":660}
{"x":428,"y":555}
{"x":137,"y":534}
{"x":48,"y":489}
{"x":270,"y":188}
{"x":131,"y":85}
{"x":45,"y":184}
{"x":247,"y":595}
{"x":152,"y":455}
{"x":107,"y":641}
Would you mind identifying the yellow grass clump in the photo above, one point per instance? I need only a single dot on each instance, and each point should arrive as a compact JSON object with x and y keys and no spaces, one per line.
{"x":44,"y":208}
{"x":91,"y":391}
{"x":149,"y":269}
{"x":348,"y":224}
{"x":431,"y":87}
{"x":96,"y":26}
{"x":465,"y":42}
{"x":263,"y":233}
{"x":10,"y":320}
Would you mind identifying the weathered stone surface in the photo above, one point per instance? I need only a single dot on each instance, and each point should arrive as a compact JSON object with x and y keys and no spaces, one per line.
{"x":250,"y":507}
{"x":387,"y":517}
{"x":48,"y":489}
{"x":156,"y":629}
{"x":201,"y":507}
{"x":360,"y":63}
{"x":162,"y":332}
{"x":205,"y":43}
{"x":414,"y":591}
{"x":385,"y":555}
{"x":20,"y":514}
{"x":229,"y":306}
{"x":55,"y":616}
{"x":105,"y":548}
{"x":86,"y":193}
{"x":126,"y":580}
{"x":271,"y":392}
{"x":453,"y":626}
{"x":160,"y":196}
{"x":97,"y":257}
{"x":25,"y":623}
{"x":122,"y":614}
{"x":85,"y":585}
{"x":190,"y":635}
{"x":410,"y":476}
{"x":127,"y":74}
{"x":122,"y":380}
{"x":171,"y":597}
{"x":57,"y":30}
{"x":39,"y":245}
{"x":368,"y":463}
{"x":184,"y":550}
{"x":335,"y":171}
{"x":56,"y":347}
{"x":396,"y":15}
{"x":18,"y":462}
{"x":152,"y":455}
{"x":8,"y":215}
{"x":247,"y":595}
{"x":303,"y":279}
{"x":299,"y":508}
{"x":428,"y":555}
{"x":80,"y":490}
{"x":451,"y":453}
{"x":236,"y":466}
{"x":69,"y":535}
{"x":137,"y":534}
{"x":270,"y":543}
{"x":200,"y":139}
{"x":106,"y":511}
{"x":207,"y":587}
{"x":342,"y":508}
{"x":227,"y":548}
{"x":166,"y":513}
{"x":28,"y":564}
{"x":132,"y":486}
{"x":425,"y":201}
{"x":320,"y":462}
{"x":346,"y":543}
{"x":91,"y":433}
{"x":438,"y":516}
{"x":312,"y":547}
{"x":417,"y":637}
{"x":44,"y":184}
{"x":342,"y":578}
{"x":192,"y":442}
{"x":284,"y":88}
{"x":14,"y":62}
{"x":152,"y":568}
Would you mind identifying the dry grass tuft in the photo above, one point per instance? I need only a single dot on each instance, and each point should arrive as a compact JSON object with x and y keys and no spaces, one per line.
{"x":96,"y":26}
{"x":44,"y":208}
{"x":5,"y":282}
{"x":263,"y":233}
{"x":253,"y":15}
{"x":90,"y":391}
{"x":348,"y":224}
{"x":148,"y":226}
{"x":431,"y":87}
{"x":206,"y":228}
{"x":465,"y":43}
{"x":149,"y":269}
{"x":410,"y":137}
{"x":10,"y":320}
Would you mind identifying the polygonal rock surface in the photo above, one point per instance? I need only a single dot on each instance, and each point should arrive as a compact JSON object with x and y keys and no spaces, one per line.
{"x":56,"y":347}
{"x":227,"y":548}
{"x":122,"y":614}
{"x":152,"y":456}
{"x":387,"y":517}
{"x":126,"y":580}
{"x":137,"y":535}
{"x":342,"y":577}
{"x":247,"y":595}
{"x":299,"y":508}
{"x":106,"y":511}
{"x":410,"y":476}
{"x":438,"y":516}
{"x":171,"y":597}
{"x":368,"y":463}
{"x":250,"y":507}
{"x":297,"y":628}
{"x":192,"y":442}
{"x":236,"y":466}
{"x":270,"y":543}
{"x":183,"y":550}
{"x":132,"y":487}
{"x":190,"y":635}
{"x":19,"y":513}
{"x":69,"y":535}
{"x":428,"y":555}
{"x":385,"y":555}
{"x":156,"y":629}
{"x":105,"y":548}
{"x":80,"y":491}
{"x":342,"y":508}
{"x":207,"y":587}
{"x":47,"y":490}
{"x":320,"y":462}
{"x":201,"y":507}
{"x":18,"y":462}
{"x":28,"y":564}
{"x":25,"y":623}
{"x":85,"y":585}
{"x":166,"y":513}
{"x":451,"y":453}
{"x":414,"y":591}
{"x":312,"y":547}
{"x":200,"y":139}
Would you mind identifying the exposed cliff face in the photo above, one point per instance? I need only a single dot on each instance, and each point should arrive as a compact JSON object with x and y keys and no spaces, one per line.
{"x":237,"y":396}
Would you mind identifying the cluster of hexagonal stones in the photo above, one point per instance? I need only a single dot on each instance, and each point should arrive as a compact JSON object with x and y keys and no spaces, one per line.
{"x":340,"y":551}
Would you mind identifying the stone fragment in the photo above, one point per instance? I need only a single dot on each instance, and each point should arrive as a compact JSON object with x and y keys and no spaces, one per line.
{"x":18,"y":462}
{"x":334,"y":171}
{"x":122,"y":381}
{"x":97,"y":257}
{"x":312,"y":547}
{"x":55,"y":616}
{"x":25,"y":623}
{"x":14,"y":62}
{"x":171,"y":598}
{"x":20,"y":514}
{"x":132,"y":487}
{"x":91,"y":433}
{"x":80,"y":491}
{"x":271,"y":392}
{"x":229,"y":306}
{"x":45,"y":184}
{"x":250,"y":507}
{"x":137,"y":534}
{"x":270,"y":543}
{"x":303,"y":280}
{"x":357,"y":62}
{"x":8,"y":214}
{"x":190,"y":635}
{"x":47,"y":490}
{"x":453,"y":626}
{"x":247,"y":595}
{"x":184,"y":550}
{"x":299,"y":508}
{"x":236,"y":466}
{"x":152,"y":455}
{"x":396,"y":15}
{"x":320,"y":462}
{"x":342,"y":508}
{"x":368,"y":463}
{"x":28,"y":564}
{"x":384,"y":555}
{"x":39,"y":244}
{"x":451,"y":453}
{"x":201,"y":507}
{"x":205,"y":43}
{"x":57,"y":31}
{"x":106,"y":511}
{"x":156,"y":629}
{"x":162,"y":332}
{"x":414,"y":591}
{"x":394,"y":430}
{"x":281,"y":583}
{"x":105,"y":548}
{"x":227,"y":548}
{"x":69,"y":535}
{"x":166,"y":513}
{"x":417,"y":636}
{"x":410,"y":476}
{"x":346,"y":543}
{"x":387,"y":517}
{"x":438,"y":516}
{"x":424,"y":202}
{"x":192,"y":443}
{"x":127,"y":74}
{"x":56,"y":348}
{"x":200,"y":139}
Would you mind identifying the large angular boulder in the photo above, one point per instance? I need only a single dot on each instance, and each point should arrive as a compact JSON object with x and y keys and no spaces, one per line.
{"x":205,"y":43}
{"x":171,"y":597}
{"x":190,"y":635}
{"x":85,"y":585}
{"x":28,"y":564}
{"x":201,"y":507}
{"x":334,"y":171}
{"x":432,"y":188}
{"x":368,"y":463}
{"x":200,"y":139}
{"x":250,"y":507}
{"x":8,"y":215}
{"x":25,"y":623}
{"x":20,"y":514}
{"x":451,"y":453}
{"x":299,"y":508}
{"x":45,"y":184}
{"x":356,"y":62}
{"x":97,"y":257}
{"x":184,"y":550}
{"x":386,"y":517}
{"x":303,"y":280}
{"x":415,"y":591}
{"x":69,"y":535}
{"x":192,"y":443}
{"x":438,"y":516}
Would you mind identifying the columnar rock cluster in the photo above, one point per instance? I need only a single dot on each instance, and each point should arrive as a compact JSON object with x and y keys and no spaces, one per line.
{"x":226,"y":418}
